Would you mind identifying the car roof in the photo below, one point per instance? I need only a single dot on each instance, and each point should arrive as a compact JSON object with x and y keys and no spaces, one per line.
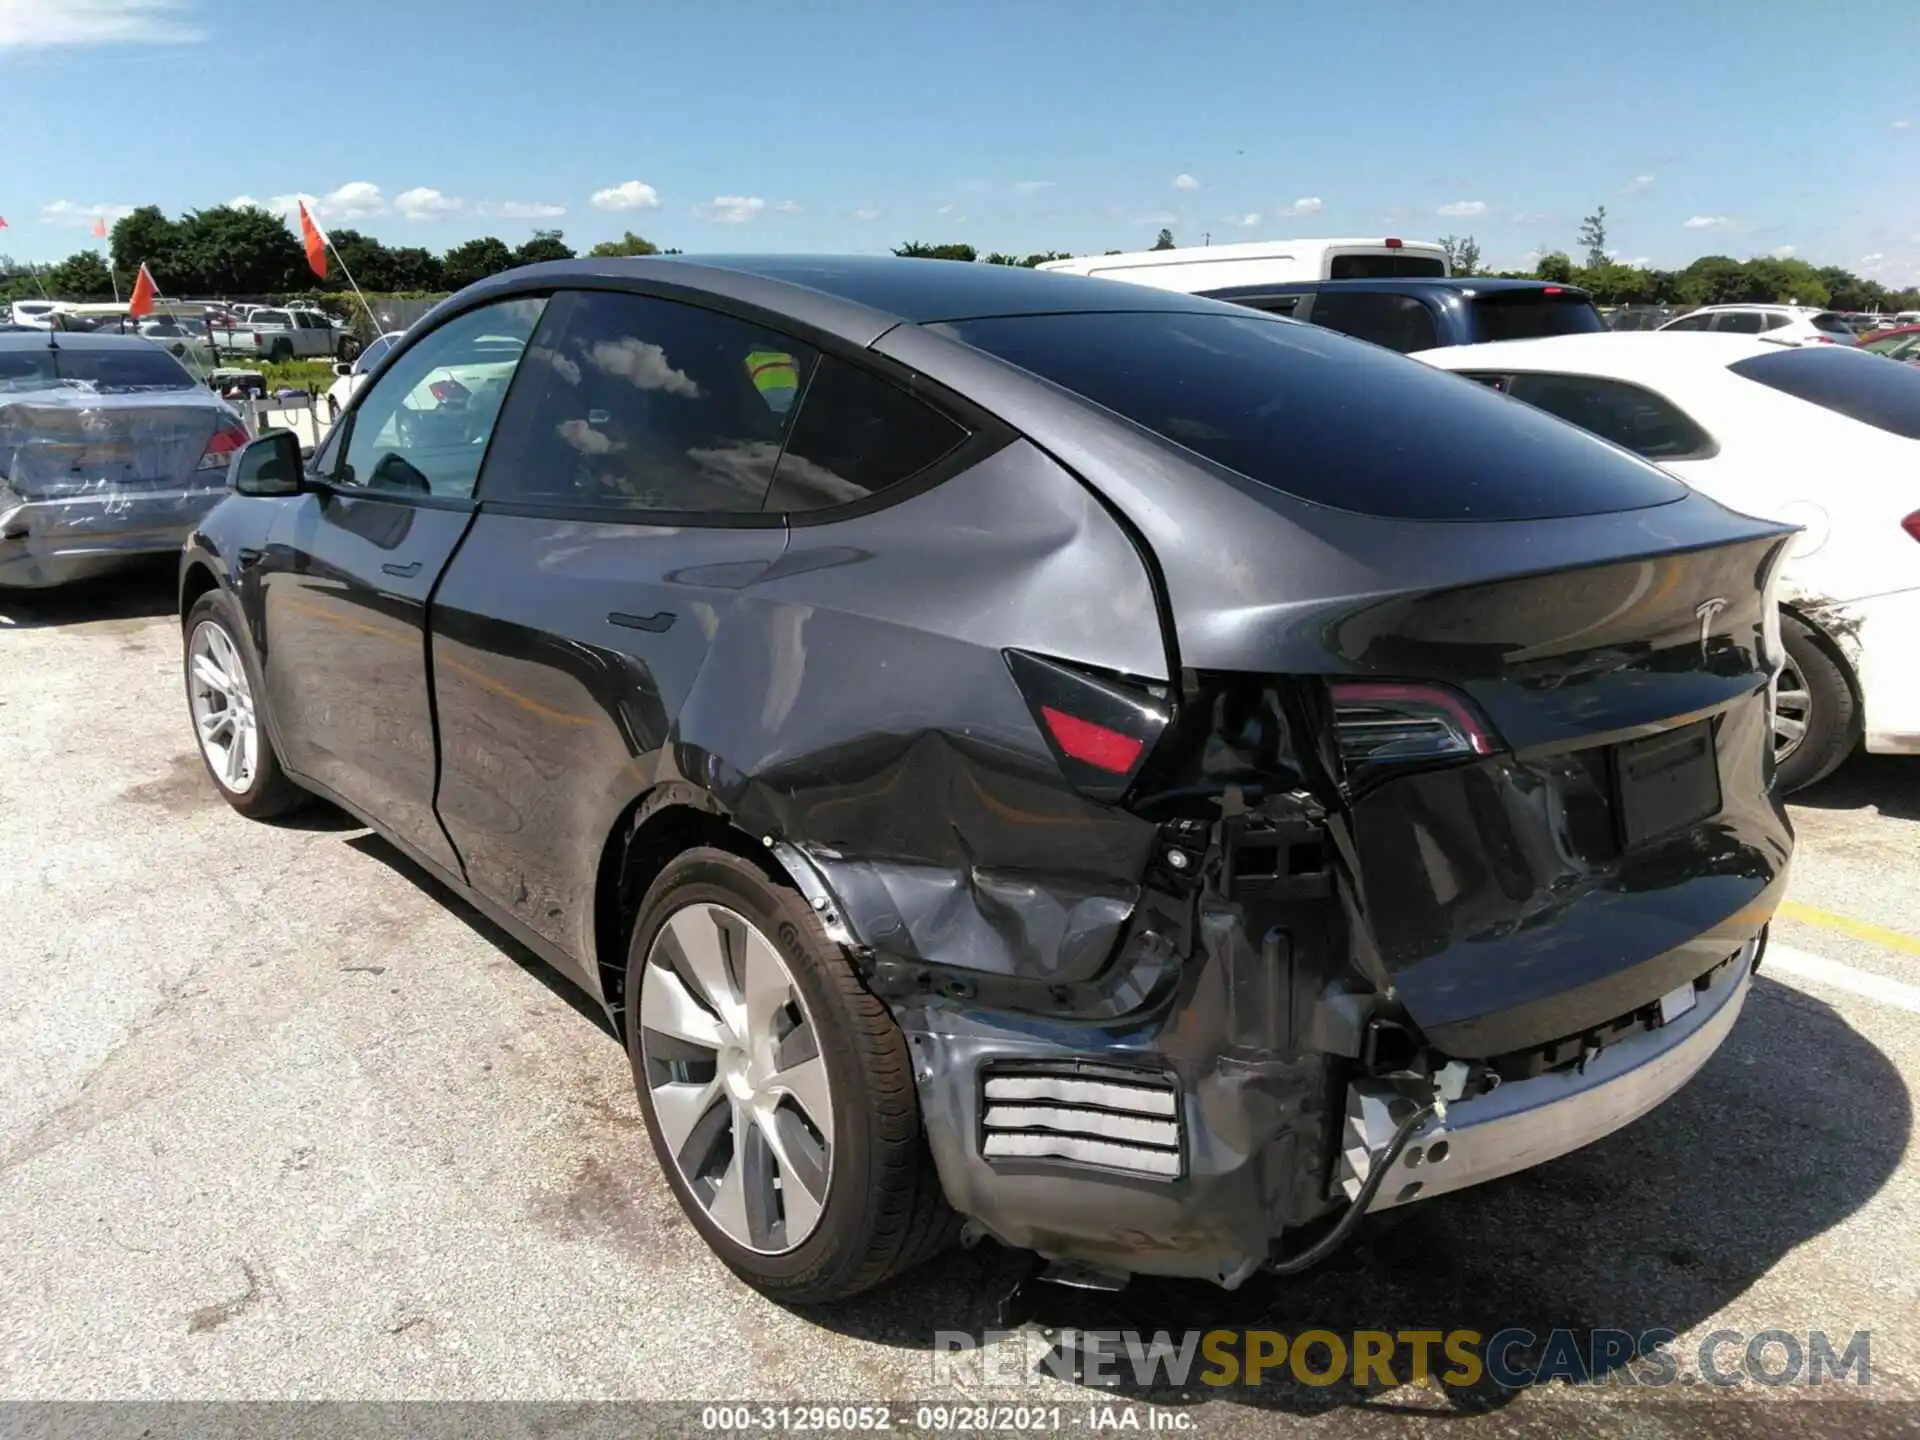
{"x":1761,"y":305}
{"x":75,"y":340}
{"x":1624,"y":353}
{"x":863,"y":296}
{"x":1452,"y":284}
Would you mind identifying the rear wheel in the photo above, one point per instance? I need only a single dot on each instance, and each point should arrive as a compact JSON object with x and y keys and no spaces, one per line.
{"x":1816,"y":720}
{"x":777,"y":1089}
{"x":222,"y":686}
{"x":280,"y":352}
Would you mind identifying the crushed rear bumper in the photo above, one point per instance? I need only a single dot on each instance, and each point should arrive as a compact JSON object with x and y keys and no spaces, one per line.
{"x":56,"y":542}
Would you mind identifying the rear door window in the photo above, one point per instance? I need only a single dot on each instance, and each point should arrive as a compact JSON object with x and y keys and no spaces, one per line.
{"x":1844,"y":380}
{"x":1629,"y":415}
{"x":856,"y":435}
{"x":634,"y":404}
{"x":1399,"y":322}
{"x":1690,"y":322}
{"x":1302,"y":410}
{"x":1533,"y":314}
{"x":1741,"y":322}
{"x":1829,"y":324}
{"x":270,"y":318}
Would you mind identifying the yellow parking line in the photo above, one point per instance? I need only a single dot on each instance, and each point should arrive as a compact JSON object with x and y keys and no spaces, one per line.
{"x":1847,"y":925}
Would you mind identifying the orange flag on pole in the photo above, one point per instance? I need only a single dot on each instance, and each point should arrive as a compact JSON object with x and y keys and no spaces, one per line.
{"x":143,"y":292}
{"x":315,"y":242}
{"x":100,"y":227}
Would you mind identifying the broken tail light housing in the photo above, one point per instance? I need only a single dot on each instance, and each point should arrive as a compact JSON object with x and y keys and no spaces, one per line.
{"x":1389,"y":723}
{"x":229,"y":439}
{"x":1100,"y":728}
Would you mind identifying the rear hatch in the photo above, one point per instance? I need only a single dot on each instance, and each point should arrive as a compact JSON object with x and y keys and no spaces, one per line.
{"x":65,"y":445}
{"x":1532,"y":313}
{"x":1544,"y":664}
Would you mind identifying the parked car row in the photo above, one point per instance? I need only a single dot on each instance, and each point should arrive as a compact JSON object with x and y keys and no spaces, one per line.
{"x":1018,"y":755}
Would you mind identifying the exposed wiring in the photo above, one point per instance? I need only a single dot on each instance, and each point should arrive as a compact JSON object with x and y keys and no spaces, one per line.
{"x":1377,"y":1167}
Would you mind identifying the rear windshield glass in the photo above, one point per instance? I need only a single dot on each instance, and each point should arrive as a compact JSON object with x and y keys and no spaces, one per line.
{"x":1380,"y":267}
{"x":1833,"y":325}
{"x":1849,"y":382}
{"x":1533,"y":314}
{"x":133,"y":367}
{"x":1325,"y":418}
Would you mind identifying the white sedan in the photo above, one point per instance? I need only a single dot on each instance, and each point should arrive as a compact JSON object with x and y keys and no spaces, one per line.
{"x":350,"y":377}
{"x":1825,"y":437}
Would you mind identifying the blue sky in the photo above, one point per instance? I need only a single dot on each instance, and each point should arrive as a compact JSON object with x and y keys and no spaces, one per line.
{"x":1703,"y":126}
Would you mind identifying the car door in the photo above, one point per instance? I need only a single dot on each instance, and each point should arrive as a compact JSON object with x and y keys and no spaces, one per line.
{"x":349,"y":569}
{"x":619,"y":533}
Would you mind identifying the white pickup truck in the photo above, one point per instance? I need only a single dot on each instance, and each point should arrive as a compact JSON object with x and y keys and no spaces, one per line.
{"x":271,"y":334}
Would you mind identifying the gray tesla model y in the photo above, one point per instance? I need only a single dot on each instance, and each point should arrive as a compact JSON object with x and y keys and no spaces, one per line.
{"x":1140,"y":779}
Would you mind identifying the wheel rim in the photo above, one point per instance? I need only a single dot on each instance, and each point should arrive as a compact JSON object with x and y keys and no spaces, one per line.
{"x":733,"y":1067}
{"x":1792,"y":712}
{"x":222,"y":702}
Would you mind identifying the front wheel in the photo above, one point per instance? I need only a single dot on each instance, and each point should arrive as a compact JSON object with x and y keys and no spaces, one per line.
{"x":222,"y":686}
{"x":1816,"y":720}
{"x":777,"y":1089}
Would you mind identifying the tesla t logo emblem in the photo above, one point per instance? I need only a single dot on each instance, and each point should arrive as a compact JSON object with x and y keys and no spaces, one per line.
{"x":1706,"y":610}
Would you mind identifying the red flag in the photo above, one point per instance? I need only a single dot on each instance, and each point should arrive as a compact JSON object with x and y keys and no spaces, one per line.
{"x":100,"y":228}
{"x":3,"y":222}
{"x":314,"y":241}
{"x":144,"y":289}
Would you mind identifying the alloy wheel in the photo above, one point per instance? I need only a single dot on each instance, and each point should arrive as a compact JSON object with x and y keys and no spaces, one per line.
{"x":222,"y":702}
{"x":738,"y":1085}
{"x":1792,"y":712}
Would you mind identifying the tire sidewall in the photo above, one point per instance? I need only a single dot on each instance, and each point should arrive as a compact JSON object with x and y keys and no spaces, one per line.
{"x":217,"y":607}
{"x":1833,"y":724}
{"x":708,"y":876}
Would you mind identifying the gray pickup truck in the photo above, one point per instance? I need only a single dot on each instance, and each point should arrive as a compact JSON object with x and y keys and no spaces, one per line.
{"x":282,"y":335}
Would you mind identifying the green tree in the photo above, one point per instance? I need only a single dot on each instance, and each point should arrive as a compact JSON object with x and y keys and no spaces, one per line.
{"x":1162,"y":241}
{"x":475,"y":260}
{"x":1555,"y":266}
{"x":1044,"y":256}
{"x":81,"y":276}
{"x":369,"y":260}
{"x":1593,"y":237}
{"x":1463,"y":254}
{"x":627,"y":244}
{"x":1712,"y":280}
{"x":920,"y":250}
{"x":545,"y":245}
{"x":146,"y":237}
{"x":224,"y":251}
{"x":413,"y":267}
{"x":1000,"y":257}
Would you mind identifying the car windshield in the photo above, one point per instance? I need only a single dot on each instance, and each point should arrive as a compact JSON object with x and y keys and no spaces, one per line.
{"x":1301,"y":409}
{"x":1534,"y":314}
{"x":1859,"y":386}
{"x":133,"y":367}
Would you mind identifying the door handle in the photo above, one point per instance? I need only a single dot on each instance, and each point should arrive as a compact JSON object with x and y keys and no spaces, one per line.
{"x":656,"y":624}
{"x":405,"y":572}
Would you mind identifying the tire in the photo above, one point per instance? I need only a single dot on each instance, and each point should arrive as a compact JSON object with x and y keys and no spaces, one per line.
{"x":260,"y":790}
{"x":1822,"y":701}
{"x":279,"y":352}
{"x":872,"y":1207}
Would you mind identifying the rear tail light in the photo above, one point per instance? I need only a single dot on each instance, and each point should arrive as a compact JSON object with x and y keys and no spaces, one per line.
{"x":1912,"y":525}
{"x":448,"y":392}
{"x":231,"y":436}
{"x":1394,"y":243}
{"x":1390,"y":723}
{"x":1099,"y":728}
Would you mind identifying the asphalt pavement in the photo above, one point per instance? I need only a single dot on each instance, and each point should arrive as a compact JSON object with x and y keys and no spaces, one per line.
{"x":281,"y":1120}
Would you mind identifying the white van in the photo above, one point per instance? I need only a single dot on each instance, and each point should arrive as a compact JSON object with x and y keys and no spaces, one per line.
{"x":1207,"y":268}
{"x":34,"y":313}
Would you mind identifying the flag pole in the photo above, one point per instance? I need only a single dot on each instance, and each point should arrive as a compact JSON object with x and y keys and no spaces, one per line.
{"x":308,"y":223}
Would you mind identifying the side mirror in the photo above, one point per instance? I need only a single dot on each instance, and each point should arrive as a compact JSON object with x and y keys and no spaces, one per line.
{"x":267,"y":466}
{"x":342,"y":368}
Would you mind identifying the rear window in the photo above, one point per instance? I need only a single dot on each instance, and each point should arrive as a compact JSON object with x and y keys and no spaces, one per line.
{"x":1320,"y":417}
{"x":1848,"y":382}
{"x":1382,"y":267}
{"x":1832,"y":325}
{"x":134,"y":367}
{"x":1533,"y":314}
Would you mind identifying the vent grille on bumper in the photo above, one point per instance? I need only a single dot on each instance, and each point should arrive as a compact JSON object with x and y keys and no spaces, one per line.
{"x":1114,"y":1119}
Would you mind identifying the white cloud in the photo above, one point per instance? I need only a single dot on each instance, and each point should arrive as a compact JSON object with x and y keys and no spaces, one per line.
{"x":1028,"y":187}
{"x":1781,"y":252}
{"x":424,"y":203}
{"x":67,"y":212}
{"x":1185,"y":182}
{"x":787,"y":207}
{"x":1306,"y":205}
{"x":627,"y":195}
{"x":1640,"y":184}
{"x":1902,"y":125}
{"x":946,"y":209}
{"x":1463,"y":209}
{"x":351,"y":201}
{"x":518,"y":210}
{"x":245,"y":202}
{"x":731,"y":209}
{"x":1873,"y":259}
{"x":1640,"y":262}
{"x":866,"y":214}
{"x":1246,"y":221}
{"x":43,"y":24}
{"x":644,"y":364}
{"x":1705,"y":222}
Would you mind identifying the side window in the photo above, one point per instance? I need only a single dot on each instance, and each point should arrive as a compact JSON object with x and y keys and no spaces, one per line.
{"x":1775,"y":321}
{"x":1628,"y":415}
{"x":631,"y":403}
{"x":268,"y":317}
{"x":1690,"y":322}
{"x":856,"y":434}
{"x":423,"y":427}
{"x":307,"y":320}
{"x":1741,"y":322}
{"x":1272,"y":304}
{"x":1398,"y":322}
